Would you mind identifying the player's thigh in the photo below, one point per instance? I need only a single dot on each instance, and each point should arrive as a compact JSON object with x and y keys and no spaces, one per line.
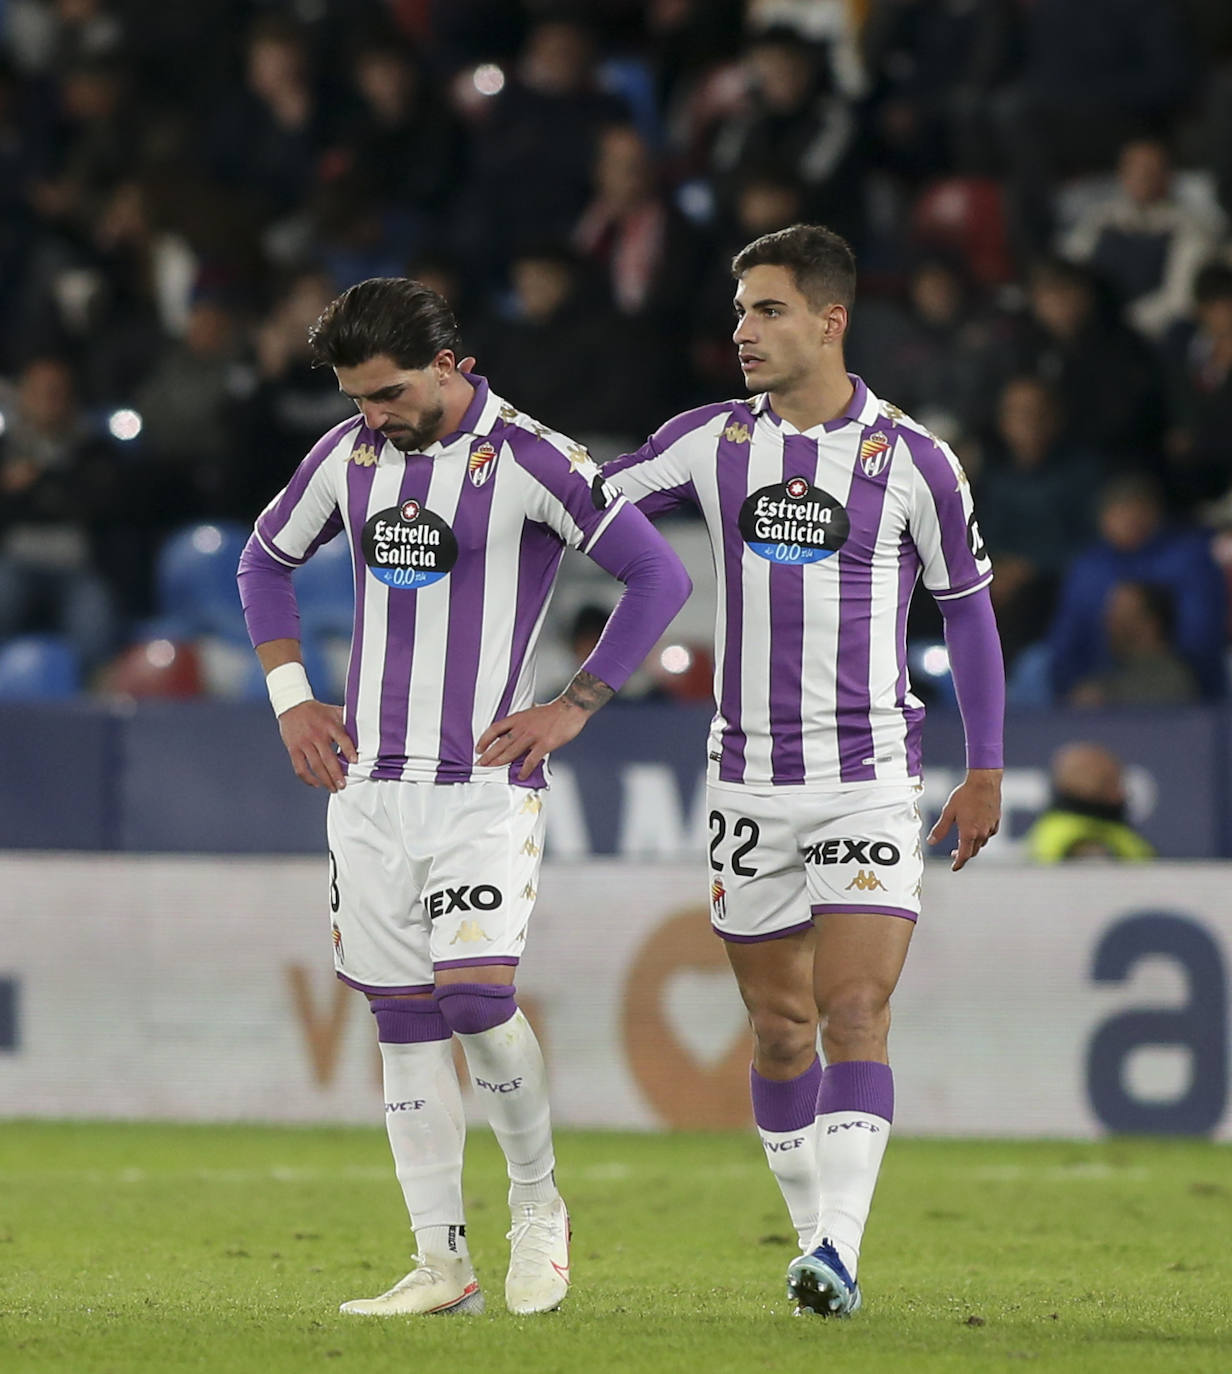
{"x":859,"y":958}
{"x":379,"y":930}
{"x":483,"y":875}
{"x":775,"y":978}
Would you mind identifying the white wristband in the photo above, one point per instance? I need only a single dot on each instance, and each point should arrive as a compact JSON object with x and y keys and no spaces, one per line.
{"x":287,"y":686}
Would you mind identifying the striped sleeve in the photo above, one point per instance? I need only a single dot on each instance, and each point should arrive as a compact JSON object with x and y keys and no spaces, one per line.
{"x":658,"y":477}
{"x":304,"y":515}
{"x":942,"y":521}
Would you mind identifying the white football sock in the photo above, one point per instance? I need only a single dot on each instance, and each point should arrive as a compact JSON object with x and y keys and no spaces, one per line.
{"x":850,"y":1148}
{"x":792,"y":1157}
{"x":507,"y":1070}
{"x":427,"y":1131}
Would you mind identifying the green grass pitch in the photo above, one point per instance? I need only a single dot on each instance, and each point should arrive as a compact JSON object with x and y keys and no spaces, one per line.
{"x":165,"y":1248}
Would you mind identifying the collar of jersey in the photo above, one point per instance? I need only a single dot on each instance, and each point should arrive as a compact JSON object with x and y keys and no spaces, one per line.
{"x":860,"y":410}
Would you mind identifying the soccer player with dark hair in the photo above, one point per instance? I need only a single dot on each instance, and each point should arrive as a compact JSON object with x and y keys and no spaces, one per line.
{"x":824,"y":506}
{"x":458,"y":509}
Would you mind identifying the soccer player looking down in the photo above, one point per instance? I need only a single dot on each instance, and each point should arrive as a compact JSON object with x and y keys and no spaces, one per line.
{"x":458,"y":509}
{"x":824,"y":505}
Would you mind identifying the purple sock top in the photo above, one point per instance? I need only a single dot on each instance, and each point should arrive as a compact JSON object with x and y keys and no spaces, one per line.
{"x":408,"y":1020}
{"x":472,"y":1008}
{"x":785,"y":1106}
{"x":857,"y":1085}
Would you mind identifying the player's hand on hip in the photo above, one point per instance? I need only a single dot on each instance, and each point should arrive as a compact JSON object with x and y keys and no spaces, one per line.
{"x":530,"y":735}
{"x":316,"y":740}
{"x":974,"y":806}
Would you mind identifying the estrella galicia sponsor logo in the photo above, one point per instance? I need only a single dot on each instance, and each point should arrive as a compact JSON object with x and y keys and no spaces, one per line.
{"x":408,"y":546}
{"x":414,"y":1104}
{"x":794,"y":522}
{"x":511,"y":1087}
{"x":481,"y":897}
{"x":852,"y":852}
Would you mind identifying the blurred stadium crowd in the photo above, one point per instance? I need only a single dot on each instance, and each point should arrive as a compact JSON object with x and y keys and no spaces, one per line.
{"x":1039,"y":193}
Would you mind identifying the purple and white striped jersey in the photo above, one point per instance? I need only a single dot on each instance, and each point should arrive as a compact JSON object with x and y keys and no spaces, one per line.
{"x":455,"y":552}
{"x":818,"y":539}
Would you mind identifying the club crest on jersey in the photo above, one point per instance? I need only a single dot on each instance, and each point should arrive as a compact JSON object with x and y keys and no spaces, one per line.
{"x":408,"y":546}
{"x":479,"y":465}
{"x":737,"y":434}
{"x":363,"y":455}
{"x":794,"y":522}
{"x":874,"y":454}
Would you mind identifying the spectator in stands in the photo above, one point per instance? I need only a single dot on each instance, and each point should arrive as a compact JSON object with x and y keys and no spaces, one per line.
{"x":534,"y":147}
{"x":1136,"y":544}
{"x":573,"y":363}
{"x":1145,"y":669}
{"x":1095,"y":75}
{"x":1143,"y":241}
{"x":1085,"y":818}
{"x":188,"y":406}
{"x":794,"y":124}
{"x":1200,"y":462}
{"x":57,"y":484}
{"x":1035,"y":510}
{"x":933,"y":66}
{"x":400,"y":135}
{"x":929,"y":352}
{"x":651,"y":257}
{"x":1107,"y":379}
{"x":267,"y":139}
{"x":293,"y":402}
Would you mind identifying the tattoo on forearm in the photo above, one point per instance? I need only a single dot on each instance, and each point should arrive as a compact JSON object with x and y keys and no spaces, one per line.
{"x":588,"y":692}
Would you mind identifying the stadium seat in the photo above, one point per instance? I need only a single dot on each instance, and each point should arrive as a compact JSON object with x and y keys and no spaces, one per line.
{"x":154,"y":668}
{"x":966,"y":216}
{"x":325,"y":590}
{"x":195,"y":577}
{"x":38,"y":668}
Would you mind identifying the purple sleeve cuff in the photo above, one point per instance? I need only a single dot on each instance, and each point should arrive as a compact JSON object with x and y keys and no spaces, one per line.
{"x":656,"y":586}
{"x":267,"y":595}
{"x":979,"y":675}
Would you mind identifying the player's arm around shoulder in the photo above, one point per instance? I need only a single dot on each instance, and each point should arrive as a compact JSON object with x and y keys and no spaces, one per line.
{"x":312,"y":731}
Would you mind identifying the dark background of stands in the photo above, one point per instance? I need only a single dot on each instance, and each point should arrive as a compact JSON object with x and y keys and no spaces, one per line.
{"x":1038,"y":193}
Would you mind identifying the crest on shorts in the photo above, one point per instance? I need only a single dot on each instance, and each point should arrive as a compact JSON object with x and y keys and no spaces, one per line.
{"x":338,"y":942}
{"x":874,"y":454}
{"x":718,"y":899}
{"x":480,"y":464}
{"x":363,"y":456}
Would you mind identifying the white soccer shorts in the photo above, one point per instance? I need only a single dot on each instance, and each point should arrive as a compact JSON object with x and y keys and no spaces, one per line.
{"x":779,"y":858}
{"x":424,"y":876}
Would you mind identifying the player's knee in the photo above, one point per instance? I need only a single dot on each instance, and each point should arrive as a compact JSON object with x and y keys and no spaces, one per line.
{"x":783,"y":1035}
{"x":472,"y":1008}
{"x":855,"y":1015}
{"x":407,"y":1020}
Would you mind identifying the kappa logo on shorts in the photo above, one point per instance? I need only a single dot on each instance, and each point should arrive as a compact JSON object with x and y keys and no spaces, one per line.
{"x":470,"y":933}
{"x":866,"y":881}
{"x":481,"y":897}
{"x":853,"y":852}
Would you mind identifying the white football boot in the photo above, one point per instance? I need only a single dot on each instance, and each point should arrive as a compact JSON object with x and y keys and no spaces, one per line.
{"x":538,"y":1277}
{"x":443,"y":1284}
